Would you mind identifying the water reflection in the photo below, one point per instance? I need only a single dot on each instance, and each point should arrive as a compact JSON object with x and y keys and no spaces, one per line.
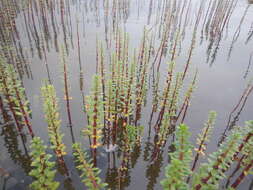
{"x":12,"y":144}
{"x":186,"y":32}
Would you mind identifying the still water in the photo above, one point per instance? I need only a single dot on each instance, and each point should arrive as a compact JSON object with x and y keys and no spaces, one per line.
{"x":224,"y":71}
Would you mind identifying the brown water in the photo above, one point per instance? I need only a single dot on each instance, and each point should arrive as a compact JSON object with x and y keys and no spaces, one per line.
{"x":220,"y":84}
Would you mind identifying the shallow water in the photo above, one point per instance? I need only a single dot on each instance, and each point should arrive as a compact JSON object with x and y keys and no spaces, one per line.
{"x":221,"y":82}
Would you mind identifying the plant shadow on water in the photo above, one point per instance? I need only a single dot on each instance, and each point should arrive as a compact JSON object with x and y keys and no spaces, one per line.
{"x":96,"y":92}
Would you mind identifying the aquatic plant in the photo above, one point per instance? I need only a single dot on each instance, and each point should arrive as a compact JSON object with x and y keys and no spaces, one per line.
{"x":131,"y":138}
{"x":23,"y":108}
{"x":179,"y":169}
{"x":245,"y":163}
{"x":127,"y":95}
{"x":119,"y":90}
{"x":8,"y":96}
{"x":89,"y":173}
{"x":43,"y":169}
{"x":131,"y":141}
{"x":203,"y":138}
{"x":243,"y":155}
{"x":113,"y":97}
{"x":141,"y":75}
{"x":94,"y":108}
{"x":155,"y":99}
{"x":50,"y":107}
{"x":122,"y":90}
{"x":186,"y":103}
{"x":165,"y":95}
{"x":209,"y":175}
{"x":15,"y":95}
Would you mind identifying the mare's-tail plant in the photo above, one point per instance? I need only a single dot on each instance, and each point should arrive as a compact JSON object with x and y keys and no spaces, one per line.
{"x":7,"y":96}
{"x":94,"y":107}
{"x":142,"y":72}
{"x":245,"y":163}
{"x":52,"y":118}
{"x":119,"y":93}
{"x":89,"y":173}
{"x":188,"y":95}
{"x":203,"y":139}
{"x":15,"y":95}
{"x":177,"y":171}
{"x":236,"y":149}
{"x":210,"y":174}
{"x":128,"y":98}
{"x":131,"y":136}
{"x":43,"y":169}
{"x":169,"y":109}
{"x":20,"y":98}
{"x":165,"y":96}
{"x":243,"y":156}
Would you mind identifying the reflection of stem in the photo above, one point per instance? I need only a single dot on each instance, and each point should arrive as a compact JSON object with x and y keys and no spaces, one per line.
{"x":11,"y":143}
{"x":237,"y":168}
{"x":250,"y":34}
{"x":67,"y":98}
{"x":153,"y":171}
{"x":193,"y":41}
{"x":242,"y":175}
{"x":237,"y":32}
{"x":67,"y":95}
{"x":241,"y":102}
{"x":248,"y":68}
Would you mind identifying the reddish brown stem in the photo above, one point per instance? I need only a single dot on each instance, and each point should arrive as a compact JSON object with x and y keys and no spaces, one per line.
{"x":242,"y":175}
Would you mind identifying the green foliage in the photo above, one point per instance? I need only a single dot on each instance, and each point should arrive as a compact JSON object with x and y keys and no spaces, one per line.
{"x":6,"y":86}
{"x":11,"y":87}
{"x":209,"y":175}
{"x":52,"y":118}
{"x":174,"y":96}
{"x":164,"y":130}
{"x":206,"y":132}
{"x":133,"y":133}
{"x":94,"y":108}
{"x":89,"y":174}
{"x":179,"y":169}
{"x":42,"y":170}
{"x":17,"y":90}
{"x":247,"y":143}
{"x":244,"y":155}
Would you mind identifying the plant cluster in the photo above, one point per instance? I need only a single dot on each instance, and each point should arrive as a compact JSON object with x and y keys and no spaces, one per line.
{"x":14,"y":93}
{"x":235,"y":151}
